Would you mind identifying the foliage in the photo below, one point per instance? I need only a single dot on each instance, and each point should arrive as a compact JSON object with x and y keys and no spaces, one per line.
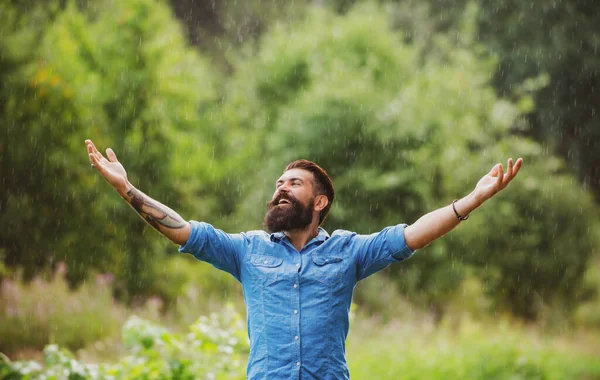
{"x":129,"y":82}
{"x":556,"y":42}
{"x":402,"y":135}
{"x":222,"y":26}
{"x":214,"y":347}
{"x":544,"y":237}
{"x":404,"y":124}
{"x":560,"y":39}
{"x":549,"y":50}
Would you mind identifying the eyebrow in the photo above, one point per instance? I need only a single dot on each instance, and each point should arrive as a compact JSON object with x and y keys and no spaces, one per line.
{"x":290,"y":179}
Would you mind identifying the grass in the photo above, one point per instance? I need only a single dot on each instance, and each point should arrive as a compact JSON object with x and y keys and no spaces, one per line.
{"x":45,"y":311}
{"x":42,"y":312}
{"x":467,"y":349}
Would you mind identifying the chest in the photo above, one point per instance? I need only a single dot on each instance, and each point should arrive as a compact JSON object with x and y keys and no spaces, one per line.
{"x":323,"y":265}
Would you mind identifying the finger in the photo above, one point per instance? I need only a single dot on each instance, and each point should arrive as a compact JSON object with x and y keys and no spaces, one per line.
{"x":494,"y":171}
{"x":500,"y":176}
{"x":99,"y":164}
{"x":95,"y":161}
{"x":509,"y":172}
{"x":99,"y":155}
{"x":517,"y":166}
{"x":92,"y":150}
{"x":90,"y":143}
{"x":95,"y":151}
{"x":112,"y":157}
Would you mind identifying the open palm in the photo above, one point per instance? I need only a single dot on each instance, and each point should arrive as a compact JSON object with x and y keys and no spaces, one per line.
{"x":111,"y":169}
{"x":496,"y":179}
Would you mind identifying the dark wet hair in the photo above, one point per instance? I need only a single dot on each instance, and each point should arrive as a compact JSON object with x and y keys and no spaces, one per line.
{"x":323,"y":184}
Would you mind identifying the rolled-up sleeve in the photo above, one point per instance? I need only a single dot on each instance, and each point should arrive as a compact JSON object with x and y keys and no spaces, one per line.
{"x":378,"y":250}
{"x":224,"y":251}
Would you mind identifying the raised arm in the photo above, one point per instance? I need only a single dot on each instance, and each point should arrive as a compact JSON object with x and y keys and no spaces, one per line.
{"x":159,"y":216}
{"x":439,"y":222}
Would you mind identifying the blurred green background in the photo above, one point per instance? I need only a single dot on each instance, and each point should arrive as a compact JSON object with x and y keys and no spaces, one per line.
{"x":405,"y":103}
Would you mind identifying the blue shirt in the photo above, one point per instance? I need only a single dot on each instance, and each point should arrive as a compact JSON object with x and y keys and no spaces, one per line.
{"x":297,"y":303}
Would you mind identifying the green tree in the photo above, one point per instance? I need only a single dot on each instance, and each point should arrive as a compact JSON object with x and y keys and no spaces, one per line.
{"x":561,"y":39}
{"x":400,"y":131}
{"x":553,"y":41}
{"x":540,"y":239}
{"x":131,"y":82}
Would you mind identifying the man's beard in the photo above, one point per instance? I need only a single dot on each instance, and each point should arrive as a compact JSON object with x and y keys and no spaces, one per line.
{"x":290,"y":217}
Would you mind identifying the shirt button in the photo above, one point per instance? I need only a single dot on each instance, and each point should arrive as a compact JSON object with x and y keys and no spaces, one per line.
{"x":265,"y":262}
{"x":295,"y":286}
{"x":297,"y":265}
{"x":296,"y":337}
{"x":295,"y":311}
{"x":298,"y":363}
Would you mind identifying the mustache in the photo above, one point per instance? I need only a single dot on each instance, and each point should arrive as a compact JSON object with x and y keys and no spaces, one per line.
{"x":273,"y":202}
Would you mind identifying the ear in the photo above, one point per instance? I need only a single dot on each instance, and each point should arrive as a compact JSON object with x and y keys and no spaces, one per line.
{"x":321,"y":201}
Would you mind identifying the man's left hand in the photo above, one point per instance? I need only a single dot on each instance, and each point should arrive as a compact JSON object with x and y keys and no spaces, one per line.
{"x":496,"y":180}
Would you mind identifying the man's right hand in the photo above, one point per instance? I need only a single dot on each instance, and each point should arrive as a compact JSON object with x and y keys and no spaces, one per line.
{"x":111,"y":169}
{"x":159,"y":216}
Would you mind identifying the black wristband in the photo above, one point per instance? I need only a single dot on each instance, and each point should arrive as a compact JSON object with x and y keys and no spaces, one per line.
{"x":456,"y":212}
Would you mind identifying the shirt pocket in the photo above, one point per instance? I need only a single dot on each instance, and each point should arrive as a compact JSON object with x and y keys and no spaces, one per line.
{"x":328,"y":268}
{"x":265,"y":269}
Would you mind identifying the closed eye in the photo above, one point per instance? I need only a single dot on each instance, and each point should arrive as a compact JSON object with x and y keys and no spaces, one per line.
{"x":292,"y":181}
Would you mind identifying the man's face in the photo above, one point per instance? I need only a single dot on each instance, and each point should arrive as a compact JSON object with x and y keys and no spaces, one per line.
{"x":292,"y":205}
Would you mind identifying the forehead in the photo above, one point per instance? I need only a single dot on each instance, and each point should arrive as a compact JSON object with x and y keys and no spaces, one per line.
{"x":302,"y":174}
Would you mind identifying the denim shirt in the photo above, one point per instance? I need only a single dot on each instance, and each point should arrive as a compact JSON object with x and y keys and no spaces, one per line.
{"x":297,"y":303}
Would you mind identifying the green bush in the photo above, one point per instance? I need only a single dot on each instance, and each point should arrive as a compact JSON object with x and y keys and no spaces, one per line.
{"x":47,"y":310}
{"x":214,"y":347}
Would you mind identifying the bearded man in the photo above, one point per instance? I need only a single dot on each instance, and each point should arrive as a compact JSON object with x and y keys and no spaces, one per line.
{"x":297,"y":279}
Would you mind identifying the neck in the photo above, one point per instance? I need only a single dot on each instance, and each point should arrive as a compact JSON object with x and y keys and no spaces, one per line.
{"x":300,"y":237}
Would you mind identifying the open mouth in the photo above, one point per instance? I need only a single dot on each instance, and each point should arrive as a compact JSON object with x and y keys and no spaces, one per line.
{"x":283,"y":202}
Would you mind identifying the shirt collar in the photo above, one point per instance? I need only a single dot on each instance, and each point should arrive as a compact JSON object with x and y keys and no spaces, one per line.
{"x":321,"y":236}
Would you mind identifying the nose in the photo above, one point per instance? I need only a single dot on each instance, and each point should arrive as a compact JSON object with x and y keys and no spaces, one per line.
{"x":283,"y":189}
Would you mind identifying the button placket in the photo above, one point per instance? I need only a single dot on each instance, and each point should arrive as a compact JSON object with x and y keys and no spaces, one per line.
{"x":296,"y":313}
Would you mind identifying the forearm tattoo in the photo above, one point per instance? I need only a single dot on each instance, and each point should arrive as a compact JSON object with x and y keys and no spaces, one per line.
{"x":156,"y":214}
